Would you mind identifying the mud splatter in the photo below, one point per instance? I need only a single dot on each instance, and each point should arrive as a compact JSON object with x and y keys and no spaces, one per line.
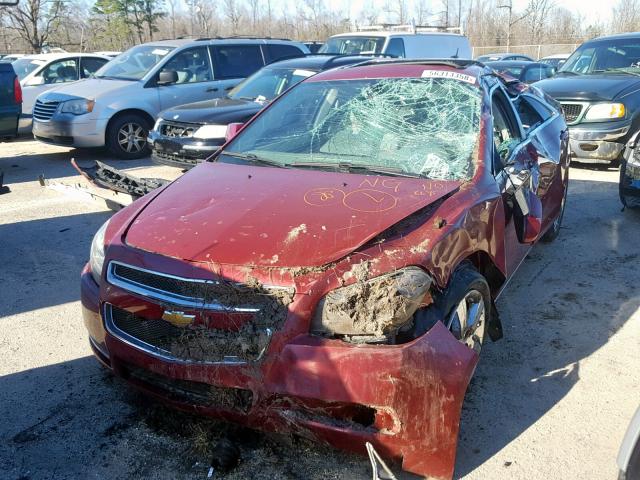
{"x":295,"y":232}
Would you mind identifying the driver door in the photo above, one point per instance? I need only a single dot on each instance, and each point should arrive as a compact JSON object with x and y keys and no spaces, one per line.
{"x":195,"y":79}
{"x":513,"y":161}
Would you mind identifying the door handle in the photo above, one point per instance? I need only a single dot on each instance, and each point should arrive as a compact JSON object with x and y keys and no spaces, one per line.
{"x":212,"y":89}
{"x":230,"y":87}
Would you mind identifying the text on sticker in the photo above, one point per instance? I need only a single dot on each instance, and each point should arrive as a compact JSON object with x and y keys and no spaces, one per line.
{"x":448,"y":74}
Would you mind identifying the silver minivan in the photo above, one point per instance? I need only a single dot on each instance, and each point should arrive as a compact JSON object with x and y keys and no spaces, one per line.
{"x":118,"y":106}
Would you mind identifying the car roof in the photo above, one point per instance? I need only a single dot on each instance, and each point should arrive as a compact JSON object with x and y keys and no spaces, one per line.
{"x":619,"y":36}
{"x":400,"y":68}
{"x":320,"y":62}
{"x":514,"y":63}
{"x":557,"y":55}
{"x":54,"y":56}
{"x":181,"y":42}
{"x":389,"y":33}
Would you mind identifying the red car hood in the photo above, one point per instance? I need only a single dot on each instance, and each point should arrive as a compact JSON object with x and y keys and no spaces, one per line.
{"x":271,"y":217}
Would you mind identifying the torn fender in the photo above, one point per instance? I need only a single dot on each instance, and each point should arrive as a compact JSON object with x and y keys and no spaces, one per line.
{"x":421,"y":385}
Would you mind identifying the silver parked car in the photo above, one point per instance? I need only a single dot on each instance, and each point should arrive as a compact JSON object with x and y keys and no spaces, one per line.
{"x":118,"y":106}
{"x":39,"y":73}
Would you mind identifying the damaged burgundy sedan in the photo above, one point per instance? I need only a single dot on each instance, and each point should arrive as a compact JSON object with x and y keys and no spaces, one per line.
{"x":332,"y":271}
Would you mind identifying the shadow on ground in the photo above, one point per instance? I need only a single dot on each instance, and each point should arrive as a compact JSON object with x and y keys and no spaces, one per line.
{"x":562,"y":306}
{"x":42,"y":259}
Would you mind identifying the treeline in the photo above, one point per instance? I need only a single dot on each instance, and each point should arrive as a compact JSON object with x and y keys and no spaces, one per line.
{"x":119,"y":24}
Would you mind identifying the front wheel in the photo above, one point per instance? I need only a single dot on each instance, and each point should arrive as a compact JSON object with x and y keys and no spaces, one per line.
{"x":127,"y":137}
{"x":469,"y":317}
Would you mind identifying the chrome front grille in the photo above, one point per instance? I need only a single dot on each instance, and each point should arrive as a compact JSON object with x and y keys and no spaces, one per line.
{"x":178,"y":130}
{"x":219,"y":321}
{"x":184,"y":292}
{"x":44,"y":110}
{"x":572,"y":111}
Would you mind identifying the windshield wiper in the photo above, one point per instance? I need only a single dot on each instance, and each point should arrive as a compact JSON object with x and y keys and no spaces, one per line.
{"x":250,"y":157}
{"x":395,"y":171}
{"x":568,"y":72}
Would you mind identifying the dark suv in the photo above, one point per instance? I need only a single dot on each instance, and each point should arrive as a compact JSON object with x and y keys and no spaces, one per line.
{"x":184,"y":136}
{"x":599,"y":90}
{"x":10,"y":101}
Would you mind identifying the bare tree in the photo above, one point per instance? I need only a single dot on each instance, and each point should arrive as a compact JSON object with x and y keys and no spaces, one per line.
{"x":626,"y":16}
{"x":233,"y":14}
{"x":397,"y":8}
{"x":34,"y":20}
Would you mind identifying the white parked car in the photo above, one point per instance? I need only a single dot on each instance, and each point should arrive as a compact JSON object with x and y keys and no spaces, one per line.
{"x":39,"y":73}
{"x":402,"y":41}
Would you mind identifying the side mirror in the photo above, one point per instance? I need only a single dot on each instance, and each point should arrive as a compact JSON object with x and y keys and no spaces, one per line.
{"x":232,"y":130}
{"x":35,"y":81}
{"x":527,"y":215}
{"x":167,"y":77}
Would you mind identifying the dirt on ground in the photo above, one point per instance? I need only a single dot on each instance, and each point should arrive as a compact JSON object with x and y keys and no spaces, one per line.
{"x":550,"y":400}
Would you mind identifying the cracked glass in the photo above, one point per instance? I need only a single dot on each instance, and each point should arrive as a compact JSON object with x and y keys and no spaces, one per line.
{"x":416,"y":126}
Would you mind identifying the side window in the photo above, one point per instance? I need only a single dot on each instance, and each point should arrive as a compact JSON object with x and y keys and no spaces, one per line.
{"x":277,"y":51}
{"x":90,"y":65}
{"x":505,"y":130}
{"x":192,"y":66}
{"x":396,"y":48}
{"x":61,"y":71}
{"x":236,"y":61}
{"x":533,"y":74}
{"x":531,"y":111}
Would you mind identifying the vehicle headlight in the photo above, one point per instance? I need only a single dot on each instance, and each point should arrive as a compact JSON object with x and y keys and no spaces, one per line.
{"x":78,"y":107}
{"x":211,"y":131}
{"x":373,"y":308}
{"x":605,"y":111}
{"x":96,"y":258}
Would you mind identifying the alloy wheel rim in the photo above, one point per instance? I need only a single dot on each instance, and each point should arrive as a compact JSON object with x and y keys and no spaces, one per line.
{"x":131,"y":137}
{"x":467,"y":321}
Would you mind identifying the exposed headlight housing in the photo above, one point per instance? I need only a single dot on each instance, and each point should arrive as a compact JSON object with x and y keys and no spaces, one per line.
{"x":605,"y":111}
{"x":206,"y":132}
{"x":373,"y":309}
{"x":96,"y":258}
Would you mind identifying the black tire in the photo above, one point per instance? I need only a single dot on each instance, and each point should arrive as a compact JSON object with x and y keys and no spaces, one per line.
{"x":133,"y":126}
{"x":553,"y":232}
{"x":464,"y":280}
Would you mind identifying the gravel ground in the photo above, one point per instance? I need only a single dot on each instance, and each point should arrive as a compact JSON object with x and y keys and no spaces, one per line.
{"x":550,"y":400}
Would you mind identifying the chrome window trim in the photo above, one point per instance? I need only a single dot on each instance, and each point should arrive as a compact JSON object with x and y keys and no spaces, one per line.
{"x":173,"y":298}
{"x":165,"y":355}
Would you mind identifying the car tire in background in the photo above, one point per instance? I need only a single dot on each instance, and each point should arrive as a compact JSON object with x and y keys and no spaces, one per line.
{"x":126,"y":136}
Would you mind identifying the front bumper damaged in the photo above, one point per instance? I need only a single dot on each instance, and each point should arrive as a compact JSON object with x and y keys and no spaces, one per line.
{"x":404,"y":399}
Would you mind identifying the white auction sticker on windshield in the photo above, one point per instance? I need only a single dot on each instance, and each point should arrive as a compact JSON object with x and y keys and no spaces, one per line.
{"x":448,"y":74}
{"x":160,"y":51}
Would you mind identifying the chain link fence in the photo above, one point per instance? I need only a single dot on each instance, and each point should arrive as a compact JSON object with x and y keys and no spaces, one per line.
{"x":534,"y":51}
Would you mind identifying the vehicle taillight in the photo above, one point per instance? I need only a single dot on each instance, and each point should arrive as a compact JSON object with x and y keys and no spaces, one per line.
{"x":17,"y":90}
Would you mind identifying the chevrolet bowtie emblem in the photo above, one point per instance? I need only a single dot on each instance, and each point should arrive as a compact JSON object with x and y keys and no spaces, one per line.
{"x":178,"y":319}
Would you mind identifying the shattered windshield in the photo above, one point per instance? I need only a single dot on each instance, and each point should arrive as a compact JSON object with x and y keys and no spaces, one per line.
{"x":353,"y":45}
{"x":622,"y":56}
{"x":416,"y":126}
{"x":268,"y":83}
